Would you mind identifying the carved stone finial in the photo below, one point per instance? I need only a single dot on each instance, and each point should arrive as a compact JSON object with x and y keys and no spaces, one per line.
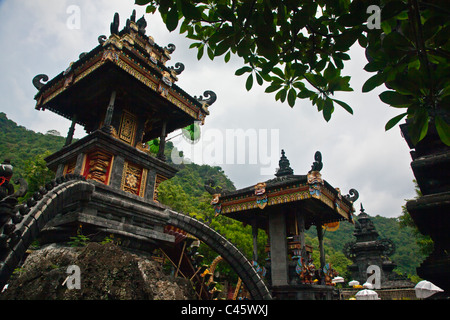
{"x":212,"y":98}
{"x":179,"y":68}
{"x":317,"y":165}
{"x":133,"y":16}
{"x":170,"y":48}
{"x":211,"y":188}
{"x":37,"y":81}
{"x":142,"y":24}
{"x":284,"y":164}
{"x":101,"y":39}
{"x":353,"y":196}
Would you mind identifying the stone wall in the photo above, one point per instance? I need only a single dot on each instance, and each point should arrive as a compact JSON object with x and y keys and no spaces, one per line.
{"x":107,"y":273}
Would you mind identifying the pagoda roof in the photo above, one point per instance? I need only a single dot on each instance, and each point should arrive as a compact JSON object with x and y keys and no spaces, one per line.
{"x":308,"y":193}
{"x":127,"y":61}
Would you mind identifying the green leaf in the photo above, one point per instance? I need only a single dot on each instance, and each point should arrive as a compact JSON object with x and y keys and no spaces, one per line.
{"x":344,"y":105}
{"x":330,"y":72}
{"x":172,"y":19}
{"x":273,"y":88}
{"x":395,"y":99}
{"x":278,"y":72}
{"x":391,"y":9}
{"x":141,"y":2}
{"x":362,"y":40}
{"x":414,"y":64}
{"x":391,"y":123}
{"x":419,"y":126}
{"x":443,"y":130}
{"x":281,"y":95}
{"x":375,"y":66}
{"x":259,"y":79}
{"x":328,"y":109}
{"x":305,"y":93}
{"x":210,"y":53}
{"x":292,"y":96}
{"x":227,"y":56}
{"x":221,"y":48}
{"x":346,"y":40}
{"x":190,"y":11}
{"x":150,"y":9}
{"x":373,"y":82}
{"x":243,"y":70}
{"x":249,"y":82}
{"x":201,"y":50}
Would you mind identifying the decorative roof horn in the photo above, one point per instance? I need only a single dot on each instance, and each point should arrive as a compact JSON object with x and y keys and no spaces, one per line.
{"x":37,"y":81}
{"x":179,"y":68}
{"x":212,"y":98}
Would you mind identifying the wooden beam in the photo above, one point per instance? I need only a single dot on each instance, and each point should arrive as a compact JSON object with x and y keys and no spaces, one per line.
{"x":181,"y":258}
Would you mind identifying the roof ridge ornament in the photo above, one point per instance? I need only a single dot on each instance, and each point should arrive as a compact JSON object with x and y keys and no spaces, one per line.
{"x":317,"y":165}
{"x":353,"y":196}
{"x":142,"y":25}
{"x":178,"y":69}
{"x":211,"y":98}
{"x":101,"y":39}
{"x":114,"y":28}
{"x":284,"y":169}
{"x":170,"y":48}
{"x":37,"y":81}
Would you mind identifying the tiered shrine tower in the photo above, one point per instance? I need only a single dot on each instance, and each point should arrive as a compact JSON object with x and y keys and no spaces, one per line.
{"x":370,"y":255}
{"x":284,"y":207}
{"x":124,"y":95}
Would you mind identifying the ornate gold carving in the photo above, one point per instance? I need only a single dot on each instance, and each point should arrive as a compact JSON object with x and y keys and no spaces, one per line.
{"x":114,"y":40}
{"x":114,"y":132}
{"x":261,"y":196}
{"x":315,"y":183}
{"x":97,"y":167}
{"x":127,"y":129}
{"x":110,"y":55}
{"x":143,"y":147}
{"x":134,"y":179}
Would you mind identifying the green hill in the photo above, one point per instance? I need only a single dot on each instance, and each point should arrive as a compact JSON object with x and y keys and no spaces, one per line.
{"x":185,"y":192}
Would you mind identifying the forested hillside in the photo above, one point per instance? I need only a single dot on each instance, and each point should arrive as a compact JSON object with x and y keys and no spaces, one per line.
{"x":185,"y":192}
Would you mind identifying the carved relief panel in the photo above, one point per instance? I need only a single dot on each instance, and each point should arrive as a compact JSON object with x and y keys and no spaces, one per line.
{"x":134,"y":179}
{"x":128,"y":125}
{"x":97,"y":166}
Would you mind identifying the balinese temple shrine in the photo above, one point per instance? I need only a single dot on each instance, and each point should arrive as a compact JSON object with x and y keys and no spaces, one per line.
{"x":284,"y":207}
{"x":124,"y":93}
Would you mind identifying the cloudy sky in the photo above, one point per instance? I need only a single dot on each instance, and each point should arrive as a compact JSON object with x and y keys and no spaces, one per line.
{"x":40,"y":36}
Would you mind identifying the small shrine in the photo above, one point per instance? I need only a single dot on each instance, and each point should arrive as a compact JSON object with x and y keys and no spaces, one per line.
{"x":124,"y":93}
{"x":370,"y":255}
{"x":284,"y":207}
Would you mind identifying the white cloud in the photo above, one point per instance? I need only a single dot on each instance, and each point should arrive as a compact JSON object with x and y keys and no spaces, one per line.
{"x":357,"y":153}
